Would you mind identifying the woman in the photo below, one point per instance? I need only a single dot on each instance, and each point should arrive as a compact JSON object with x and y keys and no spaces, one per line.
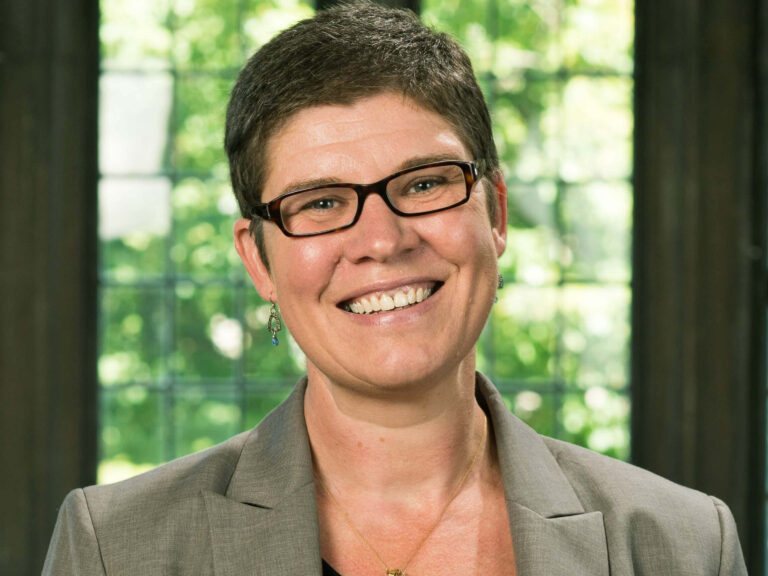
{"x":374,"y":213}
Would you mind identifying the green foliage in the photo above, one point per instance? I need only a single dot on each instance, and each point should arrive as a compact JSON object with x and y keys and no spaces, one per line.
{"x":133,"y":431}
{"x":186,"y":360}
{"x":133,"y":335}
{"x":203,"y":212}
{"x":206,"y":34}
{"x":199,"y":122}
{"x":135,"y":33}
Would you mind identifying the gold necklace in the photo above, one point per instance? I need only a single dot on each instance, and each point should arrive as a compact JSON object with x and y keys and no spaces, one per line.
{"x":401,"y":571}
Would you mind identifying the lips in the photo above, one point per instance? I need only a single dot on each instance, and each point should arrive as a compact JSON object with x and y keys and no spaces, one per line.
{"x":396,"y":298}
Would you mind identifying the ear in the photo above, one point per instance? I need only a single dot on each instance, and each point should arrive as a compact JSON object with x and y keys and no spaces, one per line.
{"x":249,"y":254}
{"x":500,"y":219}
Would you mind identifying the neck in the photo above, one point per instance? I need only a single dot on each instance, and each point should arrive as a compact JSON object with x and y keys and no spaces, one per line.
{"x":415,"y":441}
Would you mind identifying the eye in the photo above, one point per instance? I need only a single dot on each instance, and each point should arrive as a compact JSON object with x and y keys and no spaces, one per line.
{"x":321,"y":204}
{"x":425,"y":185}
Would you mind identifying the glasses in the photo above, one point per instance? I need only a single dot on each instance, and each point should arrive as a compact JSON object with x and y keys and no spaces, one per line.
{"x":424,"y":189}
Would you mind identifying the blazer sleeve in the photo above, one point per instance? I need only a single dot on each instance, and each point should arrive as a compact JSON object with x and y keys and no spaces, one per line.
{"x":731,"y":558}
{"x":74,"y":548}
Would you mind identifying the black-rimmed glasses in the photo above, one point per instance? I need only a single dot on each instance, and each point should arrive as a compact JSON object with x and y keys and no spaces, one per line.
{"x":416,"y":191}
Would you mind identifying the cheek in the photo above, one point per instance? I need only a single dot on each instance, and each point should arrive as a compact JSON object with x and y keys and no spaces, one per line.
{"x":302,"y":267}
{"x":464,"y":237}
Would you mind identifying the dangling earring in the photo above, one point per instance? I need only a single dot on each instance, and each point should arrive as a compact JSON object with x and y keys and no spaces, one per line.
{"x":499,"y":286}
{"x":273,"y":324}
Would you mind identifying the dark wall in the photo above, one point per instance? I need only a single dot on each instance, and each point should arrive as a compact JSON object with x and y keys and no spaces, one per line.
{"x":48,"y":139}
{"x":698,"y":386}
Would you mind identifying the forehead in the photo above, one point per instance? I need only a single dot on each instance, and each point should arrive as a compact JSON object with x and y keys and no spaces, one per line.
{"x":360,"y":142}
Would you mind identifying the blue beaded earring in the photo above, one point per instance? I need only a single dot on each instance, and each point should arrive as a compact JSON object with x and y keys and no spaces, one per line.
{"x":273,"y":324}
{"x":499,"y":286}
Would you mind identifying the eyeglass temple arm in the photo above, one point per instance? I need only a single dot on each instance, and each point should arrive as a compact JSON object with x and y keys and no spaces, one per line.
{"x":261,"y":211}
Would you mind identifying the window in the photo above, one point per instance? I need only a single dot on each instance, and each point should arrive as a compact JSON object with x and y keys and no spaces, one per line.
{"x":181,"y":363}
{"x":185,"y":359}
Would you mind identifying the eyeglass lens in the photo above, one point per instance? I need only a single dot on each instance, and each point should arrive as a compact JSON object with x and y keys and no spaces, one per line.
{"x":415,"y":192}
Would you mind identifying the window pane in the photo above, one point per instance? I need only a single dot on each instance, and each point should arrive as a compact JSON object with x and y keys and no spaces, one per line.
{"x":209,"y":338}
{"x":597,"y":418}
{"x":134,"y":222}
{"x":132,"y":431}
{"x":537,"y":408}
{"x":533,"y":250}
{"x":597,"y":129}
{"x":261,"y":401}
{"x":204,"y":417}
{"x":134,"y":332}
{"x":595,"y":335}
{"x":597,"y":34}
{"x":204,"y":211}
{"x":523,"y":328}
{"x":502,"y":35}
{"x":200,"y":112}
{"x":262,"y":20}
{"x":530,"y":118}
{"x":597,"y":224}
{"x":206,"y":34}
{"x":134,"y":116}
{"x":134,"y":34}
{"x":530,"y":28}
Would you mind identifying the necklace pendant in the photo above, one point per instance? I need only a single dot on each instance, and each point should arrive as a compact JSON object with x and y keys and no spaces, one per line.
{"x":395,"y":572}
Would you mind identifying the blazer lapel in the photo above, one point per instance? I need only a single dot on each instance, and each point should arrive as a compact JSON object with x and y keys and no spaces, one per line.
{"x":266,"y":523}
{"x":558,"y":546}
{"x":552,"y":534}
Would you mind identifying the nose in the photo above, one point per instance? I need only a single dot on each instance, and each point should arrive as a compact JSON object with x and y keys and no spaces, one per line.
{"x":379,"y":234}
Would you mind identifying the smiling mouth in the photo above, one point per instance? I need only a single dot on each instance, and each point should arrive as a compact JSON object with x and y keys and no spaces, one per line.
{"x":396,"y":299}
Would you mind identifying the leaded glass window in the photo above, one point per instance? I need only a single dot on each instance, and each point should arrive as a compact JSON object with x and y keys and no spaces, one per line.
{"x":180,"y":366}
{"x":185,"y":360}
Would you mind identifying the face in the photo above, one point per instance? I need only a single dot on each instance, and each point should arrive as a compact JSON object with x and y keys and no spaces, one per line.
{"x":324,"y":284}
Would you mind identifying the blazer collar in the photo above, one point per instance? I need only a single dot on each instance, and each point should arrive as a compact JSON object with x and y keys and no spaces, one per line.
{"x":266,"y":522}
{"x":551,"y":532}
{"x":276,"y":460}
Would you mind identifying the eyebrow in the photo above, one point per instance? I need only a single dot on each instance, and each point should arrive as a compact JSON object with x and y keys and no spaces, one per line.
{"x":328,"y":180}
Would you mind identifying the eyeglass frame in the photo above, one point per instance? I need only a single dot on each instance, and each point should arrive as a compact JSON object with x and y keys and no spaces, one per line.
{"x":270,"y":211}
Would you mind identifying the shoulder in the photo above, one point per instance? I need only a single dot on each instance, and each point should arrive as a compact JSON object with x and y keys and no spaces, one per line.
{"x":164,"y":513}
{"x":650,"y":521}
{"x":171,"y":483}
{"x":161,"y":512}
{"x":601,"y":481}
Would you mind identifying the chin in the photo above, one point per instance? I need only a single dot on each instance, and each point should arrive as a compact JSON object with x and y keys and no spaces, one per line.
{"x":394,"y":376}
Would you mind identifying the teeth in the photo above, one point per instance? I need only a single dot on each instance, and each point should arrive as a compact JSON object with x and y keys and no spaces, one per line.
{"x":387,"y":302}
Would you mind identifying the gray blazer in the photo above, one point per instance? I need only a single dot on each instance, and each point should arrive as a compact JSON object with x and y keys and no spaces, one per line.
{"x":247,"y":507}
